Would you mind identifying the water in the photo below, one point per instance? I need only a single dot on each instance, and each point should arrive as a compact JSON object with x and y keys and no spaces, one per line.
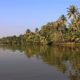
{"x":39,"y":63}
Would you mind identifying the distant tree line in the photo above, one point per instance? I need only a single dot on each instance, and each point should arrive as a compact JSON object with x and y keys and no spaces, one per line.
{"x":64,"y":29}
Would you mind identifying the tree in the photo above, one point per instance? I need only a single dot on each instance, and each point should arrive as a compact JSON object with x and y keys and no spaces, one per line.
{"x":73,"y":12}
{"x":36,"y":30}
{"x":63,"y":21}
{"x":61,"y":24}
{"x":28,"y":31}
{"x":78,"y":20}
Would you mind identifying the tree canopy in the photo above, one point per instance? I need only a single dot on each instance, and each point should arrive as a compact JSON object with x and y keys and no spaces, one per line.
{"x":65,"y":29}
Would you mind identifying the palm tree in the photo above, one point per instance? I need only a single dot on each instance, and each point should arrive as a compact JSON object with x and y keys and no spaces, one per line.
{"x":63,"y":21}
{"x":36,"y":30}
{"x":63,"y":18}
{"x":61,"y":24}
{"x":28,"y":31}
{"x":72,"y":13}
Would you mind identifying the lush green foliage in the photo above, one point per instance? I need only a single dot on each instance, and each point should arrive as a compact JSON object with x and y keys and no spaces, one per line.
{"x":65,"y":29}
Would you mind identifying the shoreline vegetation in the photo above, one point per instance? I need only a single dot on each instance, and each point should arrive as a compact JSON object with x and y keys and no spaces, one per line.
{"x":64,"y":31}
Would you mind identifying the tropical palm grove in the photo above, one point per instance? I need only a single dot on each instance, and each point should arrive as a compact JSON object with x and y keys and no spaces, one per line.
{"x":65,"y":30}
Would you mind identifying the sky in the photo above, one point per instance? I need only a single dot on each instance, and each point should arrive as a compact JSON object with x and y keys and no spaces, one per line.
{"x":16,"y":16}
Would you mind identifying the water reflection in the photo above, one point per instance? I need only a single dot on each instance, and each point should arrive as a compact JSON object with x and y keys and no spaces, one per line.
{"x":65,"y":59}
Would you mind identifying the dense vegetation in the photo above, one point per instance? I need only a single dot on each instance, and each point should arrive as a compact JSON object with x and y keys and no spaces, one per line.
{"x":65,"y":29}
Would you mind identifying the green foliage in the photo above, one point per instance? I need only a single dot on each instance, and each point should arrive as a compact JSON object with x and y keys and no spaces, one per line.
{"x":58,"y":31}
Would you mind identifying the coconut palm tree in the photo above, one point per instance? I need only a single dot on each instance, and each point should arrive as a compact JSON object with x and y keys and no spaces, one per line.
{"x":61,"y":24}
{"x":36,"y":30}
{"x":28,"y":31}
{"x":63,"y":21}
{"x":72,"y":13}
{"x":63,"y":18}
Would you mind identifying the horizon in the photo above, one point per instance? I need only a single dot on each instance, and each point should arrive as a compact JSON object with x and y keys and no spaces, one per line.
{"x":17,"y":16}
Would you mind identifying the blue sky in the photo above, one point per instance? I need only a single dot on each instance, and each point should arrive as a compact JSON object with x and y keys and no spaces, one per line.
{"x":18,"y":15}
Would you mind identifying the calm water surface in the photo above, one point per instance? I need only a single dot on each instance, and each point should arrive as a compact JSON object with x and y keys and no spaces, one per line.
{"x":39,"y":63}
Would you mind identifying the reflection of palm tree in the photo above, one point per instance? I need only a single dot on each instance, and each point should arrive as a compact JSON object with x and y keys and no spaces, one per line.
{"x":73,"y":77}
{"x":70,"y":71}
{"x":55,"y":56}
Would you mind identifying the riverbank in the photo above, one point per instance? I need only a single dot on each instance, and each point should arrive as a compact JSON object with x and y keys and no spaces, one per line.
{"x":68,"y":44}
